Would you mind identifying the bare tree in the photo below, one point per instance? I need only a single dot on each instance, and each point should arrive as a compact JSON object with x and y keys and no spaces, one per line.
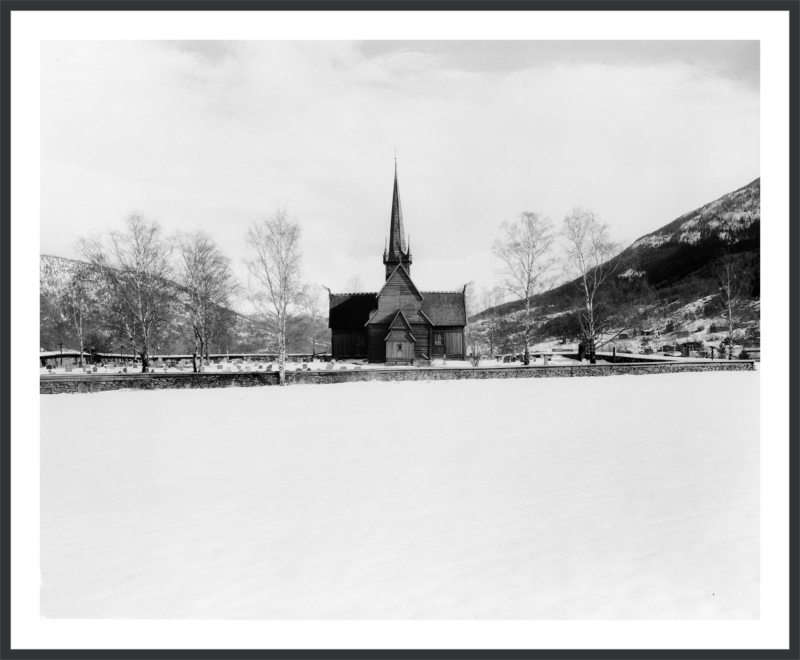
{"x":135,"y":269}
{"x":525,"y":252}
{"x":733,"y":285}
{"x":315,"y":316}
{"x":491,"y":299}
{"x":208,"y":284}
{"x":472,"y":334}
{"x":355,"y":284}
{"x":71,"y":302}
{"x":591,"y":253}
{"x":276,"y":290}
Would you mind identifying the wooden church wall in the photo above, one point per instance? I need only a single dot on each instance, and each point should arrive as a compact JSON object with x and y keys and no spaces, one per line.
{"x":398,"y":294}
{"x":454,"y":342}
{"x":377,"y":345}
{"x":422,"y":340}
{"x":347,"y":344}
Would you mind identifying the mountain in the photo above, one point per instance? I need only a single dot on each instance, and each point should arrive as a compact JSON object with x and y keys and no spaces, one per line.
{"x":688,"y":243}
{"x":674,"y":265}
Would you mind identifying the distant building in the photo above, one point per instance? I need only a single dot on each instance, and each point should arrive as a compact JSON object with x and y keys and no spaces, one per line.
{"x":399,"y":324}
{"x":692,"y":346}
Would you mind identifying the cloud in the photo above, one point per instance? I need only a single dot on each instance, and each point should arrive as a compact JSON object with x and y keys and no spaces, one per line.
{"x":215,"y":135}
{"x":736,"y":60}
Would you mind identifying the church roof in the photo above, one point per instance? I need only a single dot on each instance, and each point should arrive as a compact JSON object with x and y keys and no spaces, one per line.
{"x":351,"y":310}
{"x":399,"y":322}
{"x":444,"y":307}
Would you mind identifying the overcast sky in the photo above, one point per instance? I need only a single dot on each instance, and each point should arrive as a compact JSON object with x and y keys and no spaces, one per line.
{"x":216,"y":135}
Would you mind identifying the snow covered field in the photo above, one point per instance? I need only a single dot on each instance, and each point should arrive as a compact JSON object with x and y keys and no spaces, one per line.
{"x":588,"y":498}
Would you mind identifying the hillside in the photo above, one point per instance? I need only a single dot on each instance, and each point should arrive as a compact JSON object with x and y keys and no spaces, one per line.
{"x":669,"y":274}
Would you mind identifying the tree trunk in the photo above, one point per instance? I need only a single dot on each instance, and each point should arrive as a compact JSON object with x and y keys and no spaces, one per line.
{"x":526,"y":356}
{"x":281,"y":352}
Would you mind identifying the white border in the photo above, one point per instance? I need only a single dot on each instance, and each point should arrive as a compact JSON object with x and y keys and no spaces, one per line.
{"x":30,"y":631}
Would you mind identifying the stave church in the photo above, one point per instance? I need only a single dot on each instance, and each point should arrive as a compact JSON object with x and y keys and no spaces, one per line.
{"x":398,"y":325}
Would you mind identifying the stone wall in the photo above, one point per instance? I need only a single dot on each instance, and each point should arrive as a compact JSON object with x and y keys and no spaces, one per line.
{"x":71,"y":383}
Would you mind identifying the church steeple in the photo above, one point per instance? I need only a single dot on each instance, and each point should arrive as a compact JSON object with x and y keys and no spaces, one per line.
{"x":396,"y":252}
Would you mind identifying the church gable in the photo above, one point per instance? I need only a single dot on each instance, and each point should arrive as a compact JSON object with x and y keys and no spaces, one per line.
{"x":400,"y":325}
{"x":399,"y":322}
{"x":398,"y":294}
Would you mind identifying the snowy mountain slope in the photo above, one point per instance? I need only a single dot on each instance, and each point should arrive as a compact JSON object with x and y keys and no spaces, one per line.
{"x":731,"y":218}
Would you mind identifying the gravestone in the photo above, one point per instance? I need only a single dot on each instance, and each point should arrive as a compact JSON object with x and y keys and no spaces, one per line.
{"x":94,"y":370}
{"x":330,"y":366}
{"x":343,"y":368}
{"x":68,"y":368}
{"x":357,"y":366}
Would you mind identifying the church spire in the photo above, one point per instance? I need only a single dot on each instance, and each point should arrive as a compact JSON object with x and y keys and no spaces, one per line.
{"x":396,"y":252}
{"x":397,"y":240}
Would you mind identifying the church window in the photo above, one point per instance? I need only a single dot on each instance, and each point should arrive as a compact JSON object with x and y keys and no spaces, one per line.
{"x":438,"y":339}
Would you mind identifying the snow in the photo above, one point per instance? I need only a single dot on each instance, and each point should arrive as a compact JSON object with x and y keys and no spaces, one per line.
{"x":632,"y":497}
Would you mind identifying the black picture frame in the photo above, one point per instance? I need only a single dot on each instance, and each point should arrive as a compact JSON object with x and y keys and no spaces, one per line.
{"x":9,"y":8}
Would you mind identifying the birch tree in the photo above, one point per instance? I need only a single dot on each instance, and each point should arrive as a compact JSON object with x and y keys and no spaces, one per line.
{"x":315,"y":316}
{"x":733,"y":285}
{"x":472,"y":334}
{"x":274,"y":268}
{"x":355,"y":284}
{"x":524,"y":251}
{"x":208,"y":284}
{"x":491,"y":299}
{"x":71,"y":302}
{"x":591,"y":253}
{"x":137,"y":295}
